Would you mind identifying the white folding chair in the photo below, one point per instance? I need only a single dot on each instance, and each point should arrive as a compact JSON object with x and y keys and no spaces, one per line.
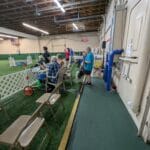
{"x":23,"y":130}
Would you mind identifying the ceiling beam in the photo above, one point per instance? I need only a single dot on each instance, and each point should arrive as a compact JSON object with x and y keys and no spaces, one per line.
{"x":48,"y":8}
{"x":26,"y":13}
{"x":41,"y":13}
{"x":76,"y":19}
{"x":65,"y":6}
{"x":48,"y":16}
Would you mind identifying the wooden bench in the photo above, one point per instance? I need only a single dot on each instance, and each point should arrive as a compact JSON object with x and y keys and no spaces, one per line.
{"x":23,"y":130}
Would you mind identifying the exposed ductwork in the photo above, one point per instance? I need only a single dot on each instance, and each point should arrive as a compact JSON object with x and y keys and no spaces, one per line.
{"x":41,"y":14}
{"x":76,"y":19}
{"x":68,"y":5}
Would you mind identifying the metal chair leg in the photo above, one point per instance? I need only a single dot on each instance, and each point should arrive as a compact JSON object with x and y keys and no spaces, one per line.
{"x":6,"y":113}
{"x":64,"y":87}
{"x":47,"y":128}
{"x":52,"y":112}
{"x":63,"y":106}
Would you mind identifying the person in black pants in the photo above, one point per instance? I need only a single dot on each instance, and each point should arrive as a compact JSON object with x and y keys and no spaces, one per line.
{"x":46,"y":55}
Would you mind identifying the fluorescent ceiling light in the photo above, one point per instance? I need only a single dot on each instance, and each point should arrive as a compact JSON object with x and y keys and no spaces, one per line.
{"x":8,"y":36}
{"x":34,"y":28}
{"x":59,"y":5}
{"x":75,"y":26}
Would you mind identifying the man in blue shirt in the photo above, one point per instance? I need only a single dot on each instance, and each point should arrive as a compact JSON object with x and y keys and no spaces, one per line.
{"x":88,"y":65}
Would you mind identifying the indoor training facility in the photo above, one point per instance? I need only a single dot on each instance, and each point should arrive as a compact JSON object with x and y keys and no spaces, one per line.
{"x":74,"y":74}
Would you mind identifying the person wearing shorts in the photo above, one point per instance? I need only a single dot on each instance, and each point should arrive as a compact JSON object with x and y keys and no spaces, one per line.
{"x":88,"y":65}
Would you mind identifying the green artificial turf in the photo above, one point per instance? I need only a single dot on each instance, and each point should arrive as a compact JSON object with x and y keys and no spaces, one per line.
{"x":22,"y":105}
{"x":6,"y":69}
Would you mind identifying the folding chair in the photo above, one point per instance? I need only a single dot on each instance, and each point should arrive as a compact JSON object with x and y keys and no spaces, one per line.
{"x":50,"y":99}
{"x":23,"y":130}
{"x":68,"y":75}
{"x":59,"y":76}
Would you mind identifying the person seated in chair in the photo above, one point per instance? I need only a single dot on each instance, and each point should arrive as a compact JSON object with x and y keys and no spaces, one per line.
{"x":41,"y":63}
{"x":53,"y":69}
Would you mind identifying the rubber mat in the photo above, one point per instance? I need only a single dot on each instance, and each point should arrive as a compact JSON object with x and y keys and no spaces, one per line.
{"x":103,"y":123}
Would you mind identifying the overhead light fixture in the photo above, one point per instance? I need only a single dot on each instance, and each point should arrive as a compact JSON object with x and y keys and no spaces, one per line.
{"x":34,"y":28}
{"x":75,"y":26}
{"x":8,"y":36}
{"x":59,"y":5}
{"x":29,"y":1}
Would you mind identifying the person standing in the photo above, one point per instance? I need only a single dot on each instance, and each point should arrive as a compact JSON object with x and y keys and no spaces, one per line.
{"x":67,"y":55}
{"x":81,"y":65}
{"x":71,"y":55}
{"x":46,"y":55}
{"x":88,"y":65}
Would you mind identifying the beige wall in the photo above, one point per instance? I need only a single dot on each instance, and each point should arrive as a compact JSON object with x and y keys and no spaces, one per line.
{"x":58,"y":43}
{"x":26,"y":46}
{"x":54,"y":43}
{"x":135,"y":40}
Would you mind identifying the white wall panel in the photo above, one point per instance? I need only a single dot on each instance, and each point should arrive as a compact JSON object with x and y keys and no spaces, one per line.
{"x":135,"y":40}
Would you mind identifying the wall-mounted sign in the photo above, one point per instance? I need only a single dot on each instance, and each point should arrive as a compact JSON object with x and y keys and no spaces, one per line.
{"x":84,"y":39}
